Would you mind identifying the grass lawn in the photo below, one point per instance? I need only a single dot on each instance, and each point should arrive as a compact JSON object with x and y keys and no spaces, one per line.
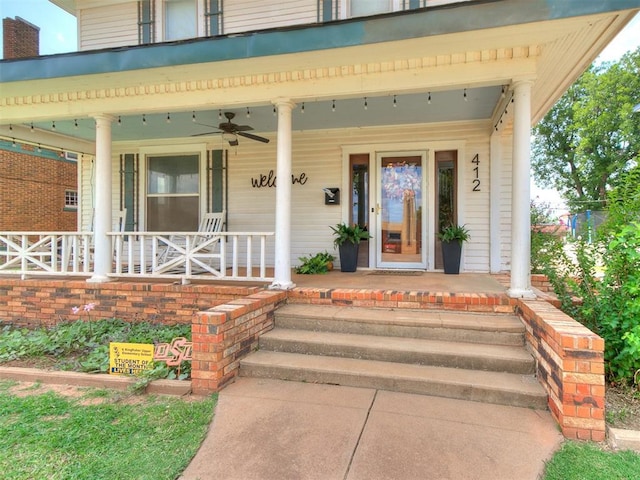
{"x":97,"y":434}
{"x":587,"y":461}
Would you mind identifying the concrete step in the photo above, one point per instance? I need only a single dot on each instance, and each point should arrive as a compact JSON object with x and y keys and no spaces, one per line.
{"x":492,"y":387}
{"x":497,"y":329}
{"x":497,"y":358}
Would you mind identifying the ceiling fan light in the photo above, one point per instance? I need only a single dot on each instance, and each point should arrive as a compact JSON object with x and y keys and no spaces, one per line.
{"x":229,"y":137}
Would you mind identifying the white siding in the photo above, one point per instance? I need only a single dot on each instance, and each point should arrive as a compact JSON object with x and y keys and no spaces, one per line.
{"x":247,"y":15}
{"x":505,"y":200}
{"x":319,"y":155}
{"x":112,"y":26}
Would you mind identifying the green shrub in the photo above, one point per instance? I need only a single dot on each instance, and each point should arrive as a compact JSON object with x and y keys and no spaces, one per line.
{"x":609,"y":307}
{"x":318,"y":263}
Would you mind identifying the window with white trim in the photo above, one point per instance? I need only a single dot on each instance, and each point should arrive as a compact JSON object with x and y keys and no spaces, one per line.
{"x":363,"y":8}
{"x":70,"y":199}
{"x":180,"y":19}
{"x":173,"y":193}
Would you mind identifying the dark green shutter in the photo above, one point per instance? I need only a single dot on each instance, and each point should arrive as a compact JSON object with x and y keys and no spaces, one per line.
{"x":129,"y":196}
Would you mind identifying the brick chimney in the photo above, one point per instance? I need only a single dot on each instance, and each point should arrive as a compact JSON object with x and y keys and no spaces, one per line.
{"x":21,"y":38}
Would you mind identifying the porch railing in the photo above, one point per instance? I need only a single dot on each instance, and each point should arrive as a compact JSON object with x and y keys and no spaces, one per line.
{"x":183,"y":255}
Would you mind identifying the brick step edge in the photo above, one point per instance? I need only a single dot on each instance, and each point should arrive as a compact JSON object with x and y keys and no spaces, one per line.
{"x":96,"y":380}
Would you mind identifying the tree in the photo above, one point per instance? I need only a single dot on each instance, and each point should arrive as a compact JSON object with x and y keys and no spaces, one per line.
{"x":591,"y":136}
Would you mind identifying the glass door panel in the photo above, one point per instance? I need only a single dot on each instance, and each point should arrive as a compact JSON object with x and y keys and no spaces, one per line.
{"x":400,"y":211}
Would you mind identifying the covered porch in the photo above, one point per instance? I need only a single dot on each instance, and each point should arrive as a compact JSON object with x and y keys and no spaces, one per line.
{"x":419,"y":95}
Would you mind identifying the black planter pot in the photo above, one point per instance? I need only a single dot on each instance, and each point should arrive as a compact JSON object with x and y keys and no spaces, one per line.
{"x":348,"y":257}
{"x":451,"y":252}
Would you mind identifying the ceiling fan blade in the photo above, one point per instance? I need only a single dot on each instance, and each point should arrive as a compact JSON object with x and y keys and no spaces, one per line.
{"x":253,"y":137}
{"x":242,"y":128}
{"x":203,"y":134}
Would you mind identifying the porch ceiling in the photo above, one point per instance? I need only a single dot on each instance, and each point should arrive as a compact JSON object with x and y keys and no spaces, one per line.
{"x":553,"y":51}
{"x":444,"y":106}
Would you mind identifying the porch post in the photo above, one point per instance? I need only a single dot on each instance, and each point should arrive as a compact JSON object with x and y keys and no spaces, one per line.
{"x":102,"y":256}
{"x":521,"y":196}
{"x":282,"y":274}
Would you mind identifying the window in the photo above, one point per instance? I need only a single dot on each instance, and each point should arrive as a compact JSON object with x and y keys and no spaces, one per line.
{"x":180,"y":19}
{"x":173,"y":193}
{"x":362,"y":8}
{"x":71,"y":200}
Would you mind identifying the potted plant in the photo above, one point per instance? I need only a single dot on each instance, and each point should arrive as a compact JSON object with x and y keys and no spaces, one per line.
{"x":347,"y":238}
{"x":452,"y":238}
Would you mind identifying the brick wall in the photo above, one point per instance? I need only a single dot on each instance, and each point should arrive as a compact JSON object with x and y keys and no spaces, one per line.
{"x":48,"y":302}
{"x":570,"y":366}
{"x":33,"y":188}
{"x":224,"y":334}
{"x":20,"y":38}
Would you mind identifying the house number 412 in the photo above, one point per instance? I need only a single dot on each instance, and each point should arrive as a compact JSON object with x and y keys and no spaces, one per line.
{"x":476,"y":170}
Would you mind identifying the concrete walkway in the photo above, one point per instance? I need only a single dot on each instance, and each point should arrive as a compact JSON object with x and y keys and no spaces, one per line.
{"x":272,"y":429}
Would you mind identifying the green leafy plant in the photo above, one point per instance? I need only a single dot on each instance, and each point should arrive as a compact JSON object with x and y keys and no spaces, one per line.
{"x":452,"y":233}
{"x":318,"y":263}
{"x":348,"y":233}
{"x":84,"y":346}
{"x":608,"y":304}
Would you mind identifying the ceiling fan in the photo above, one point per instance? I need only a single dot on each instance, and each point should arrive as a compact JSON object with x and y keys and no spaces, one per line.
{"x":230,"y":131}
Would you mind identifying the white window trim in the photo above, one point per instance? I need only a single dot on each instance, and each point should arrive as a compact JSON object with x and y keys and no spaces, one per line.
{"x":154,"y":151}
{"x":160,"y":20}
{"x":345,"y":8}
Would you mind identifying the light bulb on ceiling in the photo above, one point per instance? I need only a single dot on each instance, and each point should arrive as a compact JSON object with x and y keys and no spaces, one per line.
{"x":395,"y":103}
{"x":366,"y":105}
{"x":429,"y":99}
{"x":333,"y":106}
{"x":168,"y":118}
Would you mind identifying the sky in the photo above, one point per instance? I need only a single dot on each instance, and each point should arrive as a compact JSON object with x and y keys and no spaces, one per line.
{"x":58,"y":34}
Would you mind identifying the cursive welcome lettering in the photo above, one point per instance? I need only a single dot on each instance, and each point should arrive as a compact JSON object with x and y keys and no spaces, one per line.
{"x":269,"y":180}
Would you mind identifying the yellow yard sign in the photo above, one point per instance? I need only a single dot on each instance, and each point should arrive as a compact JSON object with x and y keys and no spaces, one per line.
{"x":130,"y":358}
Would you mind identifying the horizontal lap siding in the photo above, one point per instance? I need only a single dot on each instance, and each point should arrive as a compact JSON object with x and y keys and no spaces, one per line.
{"x":476,"y":204}
{"x":112,"y":26}
{"x":247,"y":15}
{"x":318,"y":154}
{"x":505,"y":201}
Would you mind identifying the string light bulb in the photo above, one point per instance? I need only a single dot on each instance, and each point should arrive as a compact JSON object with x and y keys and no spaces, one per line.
{"x":429,"y":99}
{"x":144,"y":119}
{"x":53,"y":125}
{"x":32,"y":126}
{"x":333,"y":106}
{"x":193,"y":116}
{"x":10,"y":128}
{"x":302,"y":109}
{"x":168,"y":118}
{"x":366,"y":105}
{"x":75,"y":123}
{"x":39,"y":148}
{"x":465,"y":95}
{"x":13,"y":142}
{"x":219,"y":114}
{"x":395,"y":102}
{"x":275,"y":112}
{"x":248,"y":113}
{"x":504,"y":90}
{"x":119,"y":121}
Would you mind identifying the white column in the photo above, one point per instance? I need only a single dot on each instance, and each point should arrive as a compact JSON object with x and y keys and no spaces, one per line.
{"x":102,"y":256}
{"x":282,"y":274}
{"x":520,"y":193}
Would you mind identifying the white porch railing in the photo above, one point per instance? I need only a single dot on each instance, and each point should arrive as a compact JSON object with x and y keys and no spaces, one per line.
{"x":171,"y":255}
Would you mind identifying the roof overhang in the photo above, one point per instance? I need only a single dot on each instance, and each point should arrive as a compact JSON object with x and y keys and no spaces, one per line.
{"x":469,"y":45}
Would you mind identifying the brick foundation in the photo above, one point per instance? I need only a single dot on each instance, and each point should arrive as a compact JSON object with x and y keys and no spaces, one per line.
{"x":48,"y":302}
{"x":570,"y":366}
{"x":224,"y":334}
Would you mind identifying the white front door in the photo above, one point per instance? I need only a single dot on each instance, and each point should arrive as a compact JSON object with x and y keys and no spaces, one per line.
{"x":401,"y":210}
